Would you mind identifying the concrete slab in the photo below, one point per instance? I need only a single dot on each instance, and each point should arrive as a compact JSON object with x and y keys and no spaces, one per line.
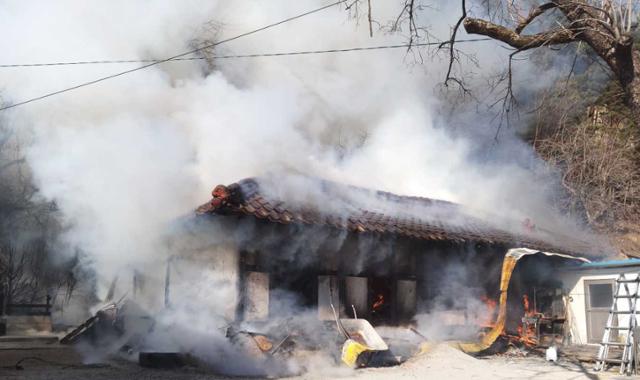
{"x":25,"y":324}
{"x":19,"y":343}
{"x":29,"y":338}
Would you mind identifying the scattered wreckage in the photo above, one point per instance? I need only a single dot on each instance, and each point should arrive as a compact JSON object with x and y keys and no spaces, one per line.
{"x":123,"y":327}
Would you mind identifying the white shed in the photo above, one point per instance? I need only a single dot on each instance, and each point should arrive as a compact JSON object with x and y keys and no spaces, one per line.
{"x":589,"y":290}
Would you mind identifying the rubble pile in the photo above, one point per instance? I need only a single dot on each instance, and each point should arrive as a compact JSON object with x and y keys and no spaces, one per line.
{"x":124,"y":328}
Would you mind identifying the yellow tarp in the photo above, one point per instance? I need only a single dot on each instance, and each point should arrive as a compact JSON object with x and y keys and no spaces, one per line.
{"x":508,"y":265}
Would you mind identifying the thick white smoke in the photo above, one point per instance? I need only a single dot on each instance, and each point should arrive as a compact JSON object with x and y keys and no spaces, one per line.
{"x":125,"y":157}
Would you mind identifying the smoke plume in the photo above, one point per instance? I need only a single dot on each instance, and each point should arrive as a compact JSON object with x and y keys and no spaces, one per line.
{"x":125,"y":158}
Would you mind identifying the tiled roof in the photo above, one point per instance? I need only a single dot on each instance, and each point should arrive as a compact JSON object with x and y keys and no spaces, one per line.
{"x":362,"y":210}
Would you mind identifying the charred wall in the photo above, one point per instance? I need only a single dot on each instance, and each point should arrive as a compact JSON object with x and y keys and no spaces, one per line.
{"x":384,"y":278}
{"x":281,"y":269}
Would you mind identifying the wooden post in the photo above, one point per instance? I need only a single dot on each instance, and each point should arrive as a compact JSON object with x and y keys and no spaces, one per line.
{"x":167,"y":284}
{"x":2,"y":300}
{"x":356,"y":296}
{"x":256,"y":296}
{"x":7,"y":297}
{"x":328,"y":294}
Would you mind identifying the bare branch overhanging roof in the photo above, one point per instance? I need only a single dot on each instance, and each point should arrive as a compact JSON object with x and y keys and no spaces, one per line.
{"x":313,"y":201}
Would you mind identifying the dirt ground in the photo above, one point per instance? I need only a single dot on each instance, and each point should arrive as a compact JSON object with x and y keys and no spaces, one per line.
{"x":446,"y":362}
{"x":441,"y":362}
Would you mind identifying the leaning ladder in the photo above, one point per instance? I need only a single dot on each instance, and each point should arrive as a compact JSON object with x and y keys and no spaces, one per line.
{"x":626,"y":361}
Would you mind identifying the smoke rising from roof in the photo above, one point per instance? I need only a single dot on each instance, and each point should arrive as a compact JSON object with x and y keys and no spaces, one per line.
{"x":124,"y":157}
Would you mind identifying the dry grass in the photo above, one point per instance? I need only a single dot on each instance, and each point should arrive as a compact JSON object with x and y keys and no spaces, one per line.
{"x":597,"y":151}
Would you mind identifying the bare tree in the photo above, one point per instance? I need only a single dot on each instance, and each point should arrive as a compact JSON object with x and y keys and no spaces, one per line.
{"x":588,"y":139}
{"x":28,"y":230}
{"x":606,"y":26}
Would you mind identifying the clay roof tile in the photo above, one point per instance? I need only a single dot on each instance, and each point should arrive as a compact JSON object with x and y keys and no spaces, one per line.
{"x":246,"y":197}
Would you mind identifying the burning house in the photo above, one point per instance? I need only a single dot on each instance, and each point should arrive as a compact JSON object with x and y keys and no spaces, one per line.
{"x":299,"y":259}
{"x":353,"y":252}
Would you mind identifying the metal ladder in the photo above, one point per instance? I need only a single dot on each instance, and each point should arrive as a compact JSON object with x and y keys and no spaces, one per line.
{"x":627,"y":362}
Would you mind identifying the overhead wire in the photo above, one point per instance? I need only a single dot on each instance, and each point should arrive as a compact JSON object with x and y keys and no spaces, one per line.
{"x":154,"y":63}
{"x":253,"y":55}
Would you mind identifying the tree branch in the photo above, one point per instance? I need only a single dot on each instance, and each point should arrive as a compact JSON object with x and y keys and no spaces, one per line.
{"x":370,"y":20}
{"x":533,"y":14}
{"x":11,"y":163}
{"x":452,"y":56}
{"x":513,"y":39}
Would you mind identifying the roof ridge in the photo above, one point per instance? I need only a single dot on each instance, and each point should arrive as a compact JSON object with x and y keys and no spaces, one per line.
{"x":247,"y":197}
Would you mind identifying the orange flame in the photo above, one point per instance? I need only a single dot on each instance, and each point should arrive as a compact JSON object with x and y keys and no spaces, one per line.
{"x":378,"y":302}
{"x":488,"y":319}
{"x":527,"y":335}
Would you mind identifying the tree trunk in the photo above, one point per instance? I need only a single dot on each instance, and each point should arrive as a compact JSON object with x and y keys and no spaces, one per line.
{"x":630,"y":82}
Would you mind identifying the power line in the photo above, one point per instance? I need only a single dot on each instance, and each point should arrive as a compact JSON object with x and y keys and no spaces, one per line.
{"x":209,"y":46}
{"x":254,"y":55}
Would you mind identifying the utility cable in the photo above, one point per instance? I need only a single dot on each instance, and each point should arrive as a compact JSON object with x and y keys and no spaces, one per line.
{"x":254,"y":55}
{"x":209,"y":46}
